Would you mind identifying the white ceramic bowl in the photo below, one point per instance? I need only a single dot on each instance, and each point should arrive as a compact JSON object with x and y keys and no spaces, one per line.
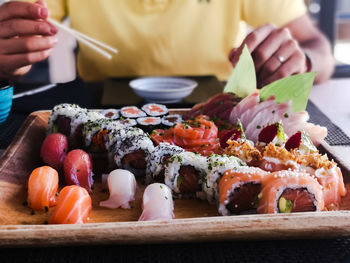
{"x":163,"y":89}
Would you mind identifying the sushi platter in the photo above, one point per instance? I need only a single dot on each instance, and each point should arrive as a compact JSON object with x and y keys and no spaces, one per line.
{"x":192,"y":219}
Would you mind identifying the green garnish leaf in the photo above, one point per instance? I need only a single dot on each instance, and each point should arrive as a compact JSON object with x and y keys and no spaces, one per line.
{"x":296,"y":88}
{"x":242,"y":81}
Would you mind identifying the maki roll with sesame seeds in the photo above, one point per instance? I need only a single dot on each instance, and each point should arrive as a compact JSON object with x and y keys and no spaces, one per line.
{"x":148,"y":123}
{"x":94,"y":133}
{"x":130,"y":147}
{"x":113,"y":114}
{"x":239,"y":189}
{"x":127,"y":122}
{"x":215,"y":167}
{"x":288,"y":192}
{"x":184,"y":173}
{"x":68,"y":119}
{"x":155,"y":110}
{"x":169,"y":121}
{"x":132,"y":112}
{"x":156,"y":161}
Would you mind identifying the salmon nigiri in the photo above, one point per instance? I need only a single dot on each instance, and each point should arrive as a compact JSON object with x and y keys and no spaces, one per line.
{"x":42,"y":188}
{"x":73,"y":206}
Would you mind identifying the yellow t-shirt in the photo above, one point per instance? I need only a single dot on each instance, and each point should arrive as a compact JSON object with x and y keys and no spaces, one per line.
{"x":167,"y":37}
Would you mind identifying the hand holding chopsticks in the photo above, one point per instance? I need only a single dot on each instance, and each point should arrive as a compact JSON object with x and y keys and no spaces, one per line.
{"x":92,"y":43}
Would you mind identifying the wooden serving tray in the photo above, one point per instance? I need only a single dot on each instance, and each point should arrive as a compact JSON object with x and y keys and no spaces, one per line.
{"x":196,"y":220}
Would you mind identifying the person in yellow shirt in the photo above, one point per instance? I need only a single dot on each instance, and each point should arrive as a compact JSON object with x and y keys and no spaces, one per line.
{"x":169,"y":37}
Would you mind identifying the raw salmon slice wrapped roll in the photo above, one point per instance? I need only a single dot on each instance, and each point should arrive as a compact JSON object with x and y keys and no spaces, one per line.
{"x":157,"y":203}
{"x":333,"y":186}
{"x":328,"y":175}
{"x":239,"y":189}
{"x":122,"y":189}
{"x":73,"y":206}
{"x":288,"y":192}
{"x":42,"y":188}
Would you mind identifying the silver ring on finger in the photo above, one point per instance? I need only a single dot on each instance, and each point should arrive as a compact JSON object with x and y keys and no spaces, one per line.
{"x":281,"y":59}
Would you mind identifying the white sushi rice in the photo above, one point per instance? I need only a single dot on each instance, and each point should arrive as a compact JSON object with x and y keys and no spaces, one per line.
{"x":215,"y":168}
{"x":154,"y":160}
{"x":174,"y":164}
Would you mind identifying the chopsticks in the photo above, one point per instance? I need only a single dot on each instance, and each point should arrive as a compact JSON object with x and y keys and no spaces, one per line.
{"x":33,"y":91}
{"x":88,"y":41}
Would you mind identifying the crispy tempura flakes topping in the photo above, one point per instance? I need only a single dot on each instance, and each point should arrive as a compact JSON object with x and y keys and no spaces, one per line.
{"x":316,"y":161}
{"x":243,"y":150}
{"x":280,"y":153}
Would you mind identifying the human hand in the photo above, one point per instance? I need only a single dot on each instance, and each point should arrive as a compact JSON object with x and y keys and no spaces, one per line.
{"x":275,"y":52}
{"x":25,"y":37}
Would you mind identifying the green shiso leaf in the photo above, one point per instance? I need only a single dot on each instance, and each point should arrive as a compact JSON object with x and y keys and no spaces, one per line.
{"x":242,"y":81}
{"x":296,"y":88}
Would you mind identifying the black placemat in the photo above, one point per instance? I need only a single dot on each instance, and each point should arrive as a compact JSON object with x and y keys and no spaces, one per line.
{"x":284,"y":251}
{"x":336,"y":136}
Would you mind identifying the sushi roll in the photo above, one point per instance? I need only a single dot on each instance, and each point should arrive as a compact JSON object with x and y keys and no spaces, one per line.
{"x":113,"y":114}
{"x":94,"y":133}
{"x":216,"y":165}
{"x":130,"y":147}
{"x":68,"y":119}
{"x":169,"y":121}
{"x":239,"y":189}
{"x":157,"y":203}
{"x":328,"y":175}
{"x":127,"y":122}
{"x":156,"y":161}
{"x":155,"y":110}
{"x":288,"y":192}
{"x":148,"y":124}
{"x":132,"y":112}
{"x":184,"y":173}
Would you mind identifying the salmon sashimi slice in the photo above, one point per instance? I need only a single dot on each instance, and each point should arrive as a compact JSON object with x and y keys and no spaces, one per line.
{"x":42,"y":188}
{"x":73,"y":206}
{"x":303,"y":187}
{"x":239,"y":189}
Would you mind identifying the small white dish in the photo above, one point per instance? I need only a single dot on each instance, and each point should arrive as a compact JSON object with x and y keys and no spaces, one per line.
{"x":163,"y":89}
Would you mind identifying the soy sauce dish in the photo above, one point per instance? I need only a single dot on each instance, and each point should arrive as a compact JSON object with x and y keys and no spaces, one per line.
{"x":163,"y":89}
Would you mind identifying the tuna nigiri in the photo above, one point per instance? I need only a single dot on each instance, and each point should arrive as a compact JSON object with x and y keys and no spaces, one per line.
{"x":122,"y":188}
{"x":73,"y":206}
{"x":157,"y":203}
{"x":42,"y":188}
